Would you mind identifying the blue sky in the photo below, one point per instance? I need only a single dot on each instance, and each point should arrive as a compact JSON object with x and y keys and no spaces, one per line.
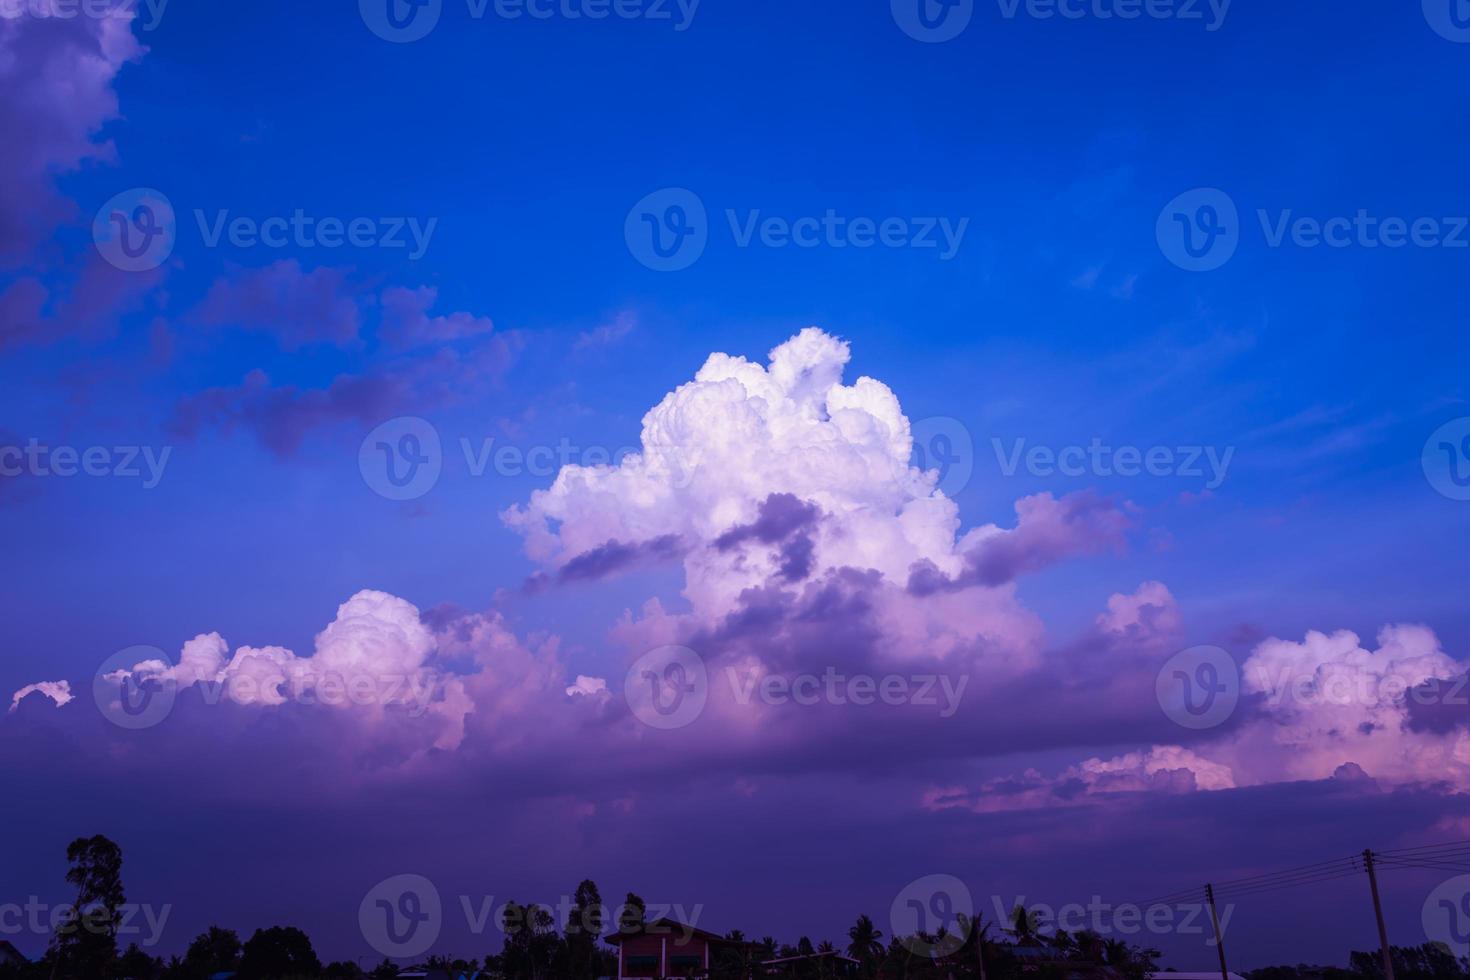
{"x":1059,"y":320}
{"x":1058,"y":140}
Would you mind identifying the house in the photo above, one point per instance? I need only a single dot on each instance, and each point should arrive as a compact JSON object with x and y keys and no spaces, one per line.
{"x":1034,"y":957}
{"x":9,"y":955}
{"x":667,"y":948}
{"x":827,"y":964}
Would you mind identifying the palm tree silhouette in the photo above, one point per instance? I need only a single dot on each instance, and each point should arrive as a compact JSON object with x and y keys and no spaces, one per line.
{"x":865,"y":941}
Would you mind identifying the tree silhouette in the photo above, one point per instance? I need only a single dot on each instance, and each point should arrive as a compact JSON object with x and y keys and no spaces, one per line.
{"x":278,"y":952}
{"x":631,"y":914}
{"x":583,"y":933}
{"x":86,"y":944}
{"x":214,"y":951}
{"x":865,"y":942}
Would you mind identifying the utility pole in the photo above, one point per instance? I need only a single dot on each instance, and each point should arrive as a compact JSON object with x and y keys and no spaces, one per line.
{"x":1219,"y":939}
{"x":1378,"y":911}
{"x":979,"y":943}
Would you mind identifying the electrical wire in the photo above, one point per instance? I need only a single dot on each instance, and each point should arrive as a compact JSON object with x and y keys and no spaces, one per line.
{"x":1447,"y":856}
{"x":1405,"y":851}
{"x":1426,"y":865}
{"x":1260,"y":889}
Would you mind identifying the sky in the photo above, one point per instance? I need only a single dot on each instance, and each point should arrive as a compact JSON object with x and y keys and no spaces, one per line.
{"x":601,"y":398}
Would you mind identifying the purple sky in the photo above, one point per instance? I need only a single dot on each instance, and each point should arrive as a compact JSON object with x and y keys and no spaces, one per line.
{"x":769,"y":589}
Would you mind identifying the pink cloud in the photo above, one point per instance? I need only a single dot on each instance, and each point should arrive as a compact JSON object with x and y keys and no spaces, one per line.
{"x":57,"y":74}
{"x":407,"y":324}
{"x":58,"y":691}
{"x":297,"y":307}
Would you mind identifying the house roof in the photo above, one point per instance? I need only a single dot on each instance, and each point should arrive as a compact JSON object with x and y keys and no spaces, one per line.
{"x":809,"y":956}
{"x":9,"y":954}
{"x":673,"y":928}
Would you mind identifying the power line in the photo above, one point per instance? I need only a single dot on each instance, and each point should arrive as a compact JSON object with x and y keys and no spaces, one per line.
{"x":1289,"y":878}
{"x":1459,"y":844}
{"x":1261,"y":889}
{"x":1424,"y":865}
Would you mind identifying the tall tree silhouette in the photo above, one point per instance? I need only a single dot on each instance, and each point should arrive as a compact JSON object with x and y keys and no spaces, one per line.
{"x":865,"y":942}
{"x":86,"y":945}
{"x":631,"y":914}
{"x":584,"y":932}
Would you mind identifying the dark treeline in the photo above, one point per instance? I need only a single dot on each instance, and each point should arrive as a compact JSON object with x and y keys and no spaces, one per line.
{"x":85,"y":947}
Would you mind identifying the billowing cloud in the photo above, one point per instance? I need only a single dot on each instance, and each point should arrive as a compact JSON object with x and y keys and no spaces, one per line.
{"x":1328,"y":701}
{"x":375,"y":656}
{"x":715,"y":449}
{"x":282,"y":416}
{"x":816,"y":559}
{"x":1323,"y":708}
{"x":1162,"y":769}
{"x":407,"y":323}
{"x":58,"y":691}
{"x":298,"y":307}
{"x":589,"y":686}
{"x":57,"y":73}
{"x":794,"y":496}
